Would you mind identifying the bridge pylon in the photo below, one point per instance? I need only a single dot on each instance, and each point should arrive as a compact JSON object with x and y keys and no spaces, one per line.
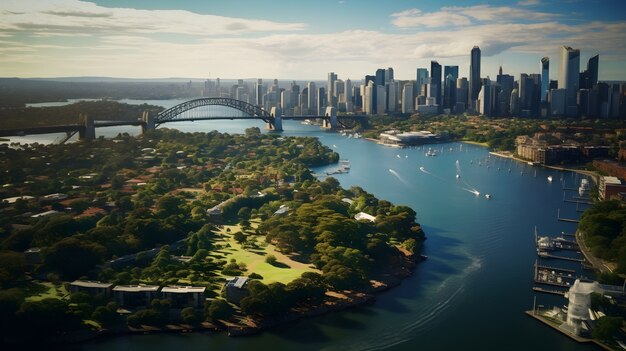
{"x":148,"y":122}
{"x":331,"y":121}
{"x":277,"y":126}
{"x":87,"y":131}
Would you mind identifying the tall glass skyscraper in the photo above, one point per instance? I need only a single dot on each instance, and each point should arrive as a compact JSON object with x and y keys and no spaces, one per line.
{"x":330,"y":88}
{"x":435,"y":79}
{"x":450,"y":75}
{"x":569,"y":69}
{"x":474,"y":76}
{"x":545,"y":78}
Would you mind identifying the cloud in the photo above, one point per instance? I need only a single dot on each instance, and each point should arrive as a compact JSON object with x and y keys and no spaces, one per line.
{"x":464,"y":16}
{"x":528,"y":3}
{"x":84,"y":17}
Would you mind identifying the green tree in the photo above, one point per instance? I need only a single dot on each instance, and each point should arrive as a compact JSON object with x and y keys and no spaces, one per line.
{"x":219,"y":309}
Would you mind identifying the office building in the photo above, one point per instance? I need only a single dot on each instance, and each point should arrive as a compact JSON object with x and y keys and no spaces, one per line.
{"x":332,"y":77}
{"x":407,"y":98}
{"x":435,"y":81}
{"x":545,"y":78}
{"x":569,"y":68}
{"x":474,"y":76}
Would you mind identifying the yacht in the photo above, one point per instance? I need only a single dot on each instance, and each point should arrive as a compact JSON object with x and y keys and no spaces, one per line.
{"x":431,"y":152}
{"x":584,"y":187}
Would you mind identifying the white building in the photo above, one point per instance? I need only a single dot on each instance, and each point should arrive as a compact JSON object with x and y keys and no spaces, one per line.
{"x":407,"y":98}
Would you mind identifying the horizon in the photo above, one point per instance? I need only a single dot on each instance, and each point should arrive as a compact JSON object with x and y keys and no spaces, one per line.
{"x":213,"y":39}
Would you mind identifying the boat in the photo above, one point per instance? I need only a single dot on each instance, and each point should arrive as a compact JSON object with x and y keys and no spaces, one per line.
{"x":487,"y":196}
{"x":584,"y":187}
{"x":422,"y":169}
{"x":431,"y":152}
{"x":458,"y":176}
{"x":550,"y":179}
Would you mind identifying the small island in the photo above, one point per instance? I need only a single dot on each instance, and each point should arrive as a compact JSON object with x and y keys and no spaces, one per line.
{"x":177,"y":231}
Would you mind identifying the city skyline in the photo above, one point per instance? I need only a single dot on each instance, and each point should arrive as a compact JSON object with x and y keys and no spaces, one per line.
{"x":212,"y":39}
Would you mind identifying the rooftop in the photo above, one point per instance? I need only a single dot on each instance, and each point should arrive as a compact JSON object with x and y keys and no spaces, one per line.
{"x":136,"y":288}
{"x":183,"y":289}
{"x":91,"y":284}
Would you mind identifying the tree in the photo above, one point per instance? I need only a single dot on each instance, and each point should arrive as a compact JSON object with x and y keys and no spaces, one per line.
{"x":607,"y":327}
{"x":189,"y":315}
{"x":219,"y":309}
{"x":12,"y":266}
{"x":72,"y":257}
{"x":239,"y":237}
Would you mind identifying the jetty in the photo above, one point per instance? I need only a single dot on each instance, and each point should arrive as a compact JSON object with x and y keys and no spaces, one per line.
{"x":544,"y":254}
{"x":548,"y":291}
{"x":558,"y":217}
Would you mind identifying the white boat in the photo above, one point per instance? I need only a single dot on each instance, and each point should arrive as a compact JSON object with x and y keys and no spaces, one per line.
{"x":487,"y":196}
{"x":422,"y":169}
{"x":431,"y":152}
{"x":584,"y":187}
{"x":550,"y":179}
{"x":458,"y":176}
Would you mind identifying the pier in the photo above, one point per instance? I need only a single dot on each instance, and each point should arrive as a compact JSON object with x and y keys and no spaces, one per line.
{"x":549,"y":291}
{"x":544,"y":254}
{"x":558,"y":217}
{"x":553,"y":276}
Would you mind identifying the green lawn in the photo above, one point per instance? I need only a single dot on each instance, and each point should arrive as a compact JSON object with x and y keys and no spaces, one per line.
{"x":254,"y":259}
{"x":38,"y":290}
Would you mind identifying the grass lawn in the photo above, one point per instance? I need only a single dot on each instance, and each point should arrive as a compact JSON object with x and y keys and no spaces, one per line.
{"x":254,"y":258}
{"x":38,"y":290}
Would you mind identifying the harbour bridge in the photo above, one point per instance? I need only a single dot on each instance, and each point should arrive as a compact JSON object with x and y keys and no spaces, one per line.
{"x":193,"y":110}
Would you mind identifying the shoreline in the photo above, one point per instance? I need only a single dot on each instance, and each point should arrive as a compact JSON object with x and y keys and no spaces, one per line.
{"x":508,"y":154}
{"x":334,"y":302}
{"x":576,"y":338}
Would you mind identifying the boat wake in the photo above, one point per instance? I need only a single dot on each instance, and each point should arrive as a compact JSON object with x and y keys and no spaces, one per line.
{"x":398,"y":176}
{"x":459,"y":176}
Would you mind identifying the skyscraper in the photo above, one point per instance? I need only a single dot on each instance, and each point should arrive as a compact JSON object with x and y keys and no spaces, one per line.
{"x":312,"y":98}
{"x":258,"y":90}
{"x":435,"y":80}
{"x":474,"y":77}
{"x":569,"y":78}
{"x":388,"y":75}
{"x":330,"y":89}
{"x":545,"y":78}
{"x":407,"y":98}
{"x":589,"y":77}
{"x":450,"y":75}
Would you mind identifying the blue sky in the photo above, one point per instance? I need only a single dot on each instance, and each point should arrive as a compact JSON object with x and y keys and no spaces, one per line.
{"x":301,"y":39}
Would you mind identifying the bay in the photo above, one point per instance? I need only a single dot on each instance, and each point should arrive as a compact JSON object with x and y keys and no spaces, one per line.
{"x":473,"y":289}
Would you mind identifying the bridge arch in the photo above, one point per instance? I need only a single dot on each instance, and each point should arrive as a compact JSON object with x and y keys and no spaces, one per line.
{"x":175,"y":113}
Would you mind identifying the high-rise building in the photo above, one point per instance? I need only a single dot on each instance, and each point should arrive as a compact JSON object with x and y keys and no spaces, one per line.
{"x":461,"y":95}
{"x":381,"y":97}
{"x":348,"y":88}
{"x":435,"y":80}
{"x":392,"y":96}
{"x":569,"y":69}
{"x":589,"y":77}
{"x":368,"y":98}
{"x":332,"y":77}
{"x":259,"y":92}
{"x":388,"y":75}
{"x":474,"y":76}
{"x":545,"y":78}
{"x":312,"y":98}
{"x":321,"y":102}
{"x":450,"y":75}
{"x":407,"y":98}
{"x":380,"y":77}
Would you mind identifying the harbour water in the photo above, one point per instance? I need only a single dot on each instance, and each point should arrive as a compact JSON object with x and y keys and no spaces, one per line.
{"x":473,"y":289}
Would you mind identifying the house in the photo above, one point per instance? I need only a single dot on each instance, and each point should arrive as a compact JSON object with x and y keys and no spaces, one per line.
{"x":364,"y":216}
{"x":135,"y":295}
{"x":184,"y":296}
{"x":235,"y":289}
{"x":91,"y":287}
{"x":281,"y":210}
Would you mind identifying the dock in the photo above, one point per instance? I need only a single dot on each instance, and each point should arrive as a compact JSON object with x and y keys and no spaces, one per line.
{"x":548,"y":291}
{"x":563,"y":270}
{"x":553,"y":276}
{"x":547,"y":255}
{"x":558,"y":216}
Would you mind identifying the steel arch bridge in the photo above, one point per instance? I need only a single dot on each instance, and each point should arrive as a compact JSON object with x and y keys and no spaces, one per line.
{"x":198,"y":109}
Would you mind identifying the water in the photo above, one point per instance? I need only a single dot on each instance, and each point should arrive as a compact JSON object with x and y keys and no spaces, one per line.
{"x":476,"y":283}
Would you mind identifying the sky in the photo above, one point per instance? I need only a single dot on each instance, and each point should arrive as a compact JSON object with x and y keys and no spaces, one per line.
{"x":303,"y":40}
